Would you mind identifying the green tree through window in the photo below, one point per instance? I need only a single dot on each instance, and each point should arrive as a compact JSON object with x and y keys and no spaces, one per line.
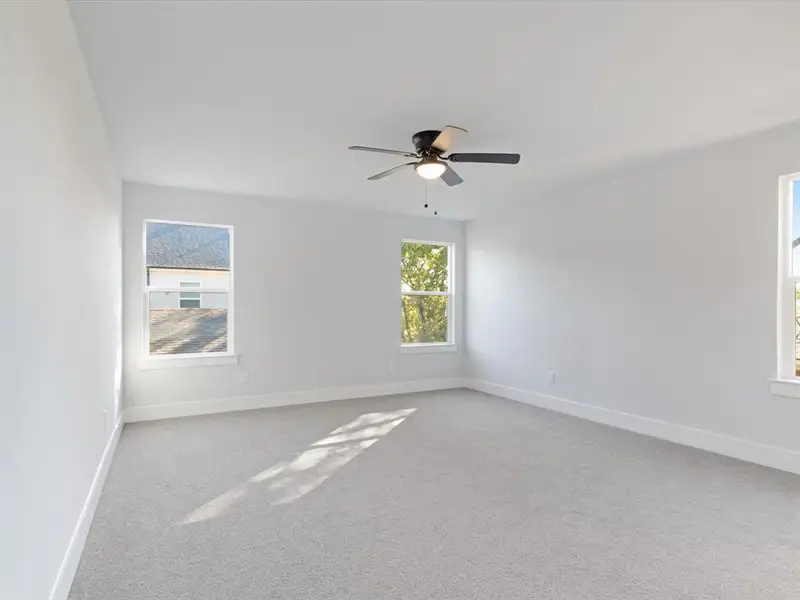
{"x":425,"y":285}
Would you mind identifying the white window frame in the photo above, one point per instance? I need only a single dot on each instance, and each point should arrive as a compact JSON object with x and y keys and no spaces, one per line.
{"x":162,"y":361}
{"x":449,"y":345}
{"x":787,"y":383}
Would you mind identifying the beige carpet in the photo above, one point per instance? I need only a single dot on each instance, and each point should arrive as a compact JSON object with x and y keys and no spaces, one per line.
{"x":446,"y":495}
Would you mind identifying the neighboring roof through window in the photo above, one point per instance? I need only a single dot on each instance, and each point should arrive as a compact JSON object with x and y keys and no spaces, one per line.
{"x":170,"y":245}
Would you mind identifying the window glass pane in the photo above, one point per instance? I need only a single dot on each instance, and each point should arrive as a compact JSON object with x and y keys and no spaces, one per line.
{"x":423,"y":319}
{"x":797,"y":329}
{"x":187,"y":256}
{"x":190,"y":295}
{"x":180,"y":326}
{"x":423,"y":267}
{"x":796,"y":227}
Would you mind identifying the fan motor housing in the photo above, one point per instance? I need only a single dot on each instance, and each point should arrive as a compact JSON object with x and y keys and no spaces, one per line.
{"x":423,"y":140}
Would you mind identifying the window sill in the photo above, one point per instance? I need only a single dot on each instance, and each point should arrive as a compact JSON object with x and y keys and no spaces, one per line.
{"x":426,"y":348}
{"x":188,"y":360}
{"x":785,"y":387}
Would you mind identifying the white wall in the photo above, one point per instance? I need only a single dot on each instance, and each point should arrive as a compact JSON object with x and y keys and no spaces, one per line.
{"x":61,"y":310}
{"x":650,"y":291}
{"x":317,"y":296}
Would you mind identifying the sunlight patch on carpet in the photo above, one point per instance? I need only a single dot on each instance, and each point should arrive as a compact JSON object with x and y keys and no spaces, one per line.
{"x":288,"y":481}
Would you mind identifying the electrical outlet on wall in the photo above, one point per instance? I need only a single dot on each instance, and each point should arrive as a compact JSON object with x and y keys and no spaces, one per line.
{"x":244,"y":376}
{"x":551,"y":377}
{"x":392,"y":366}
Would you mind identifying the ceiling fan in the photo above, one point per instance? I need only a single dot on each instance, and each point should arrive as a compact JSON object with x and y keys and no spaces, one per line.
{"x":430,"y":159}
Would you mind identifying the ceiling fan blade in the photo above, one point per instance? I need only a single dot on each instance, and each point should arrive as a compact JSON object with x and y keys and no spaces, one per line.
{"x":450,"y":177}
{"x":388,"y":172}
{"x":445,"y":138}
{"x":383,"y":151}
{"x":495,"y":158}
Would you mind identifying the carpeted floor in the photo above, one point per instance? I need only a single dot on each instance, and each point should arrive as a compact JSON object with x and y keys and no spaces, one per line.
{"x":445,"y":495}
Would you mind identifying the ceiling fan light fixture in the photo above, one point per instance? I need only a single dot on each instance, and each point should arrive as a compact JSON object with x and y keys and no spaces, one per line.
{"x":428,"y":159}
{"x":430,"y":169}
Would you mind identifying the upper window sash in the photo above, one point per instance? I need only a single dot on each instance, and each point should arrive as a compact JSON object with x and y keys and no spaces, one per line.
{"x":445,"y":288}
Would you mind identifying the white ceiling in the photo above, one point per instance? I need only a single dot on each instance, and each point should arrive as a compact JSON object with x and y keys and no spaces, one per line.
{"x":264,"y":98}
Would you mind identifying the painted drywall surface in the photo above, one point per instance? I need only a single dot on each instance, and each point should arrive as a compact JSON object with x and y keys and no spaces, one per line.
{"x":61,"y":248}
{"x":317,"y":296}
{"x":650,"y":291}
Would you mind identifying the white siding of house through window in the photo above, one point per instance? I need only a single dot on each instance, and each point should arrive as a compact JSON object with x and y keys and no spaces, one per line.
{"x":172,"y":278}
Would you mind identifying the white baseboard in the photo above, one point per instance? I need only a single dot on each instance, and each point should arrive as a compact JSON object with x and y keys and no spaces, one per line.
{"x":768,"y":456}
{"x":219,"y":405}
{"x":69,"y":565}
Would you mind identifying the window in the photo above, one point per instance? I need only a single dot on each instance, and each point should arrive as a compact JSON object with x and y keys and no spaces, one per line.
{"x":789,"y":296}
{"x":180,"y":257}
{"x":426,"y":293}
{"x":190,"y":299}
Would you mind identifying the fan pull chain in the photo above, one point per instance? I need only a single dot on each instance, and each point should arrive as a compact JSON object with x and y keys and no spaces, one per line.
{"x":426,"y":184}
